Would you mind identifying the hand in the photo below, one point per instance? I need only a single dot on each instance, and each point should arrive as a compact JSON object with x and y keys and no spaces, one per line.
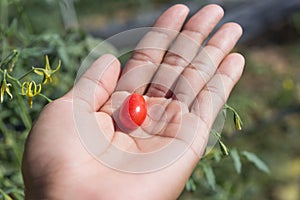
{"x":184,"y":94}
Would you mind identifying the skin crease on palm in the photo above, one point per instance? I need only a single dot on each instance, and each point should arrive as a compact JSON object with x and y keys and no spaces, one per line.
{"x":57,"y":166}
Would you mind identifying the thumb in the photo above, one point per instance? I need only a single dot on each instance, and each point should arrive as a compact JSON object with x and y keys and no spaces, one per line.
{"x":96,"y":85}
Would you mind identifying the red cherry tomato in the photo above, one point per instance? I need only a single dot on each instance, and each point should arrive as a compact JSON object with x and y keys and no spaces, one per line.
{"x":132,"y":112}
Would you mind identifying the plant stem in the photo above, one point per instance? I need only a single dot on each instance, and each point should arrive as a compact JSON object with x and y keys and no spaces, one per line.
{"x":226,"y":106}
{"x":24,"y":75}
{"x":218,"y":135}
{"x":11,"y":78}
{"x":4,"y":60}
{"x":45,"y":97}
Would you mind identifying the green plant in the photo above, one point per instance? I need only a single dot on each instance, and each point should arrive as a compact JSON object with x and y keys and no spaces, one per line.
{"x":205,"y":169}
{"x":28,"y":82}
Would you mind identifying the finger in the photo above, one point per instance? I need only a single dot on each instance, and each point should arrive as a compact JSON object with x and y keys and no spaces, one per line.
{"x":97,"y":83}
{"x":184,"y":49}
{"x":205,"y":64}
{"x":152,"y":47}
{"x":213,"y":96}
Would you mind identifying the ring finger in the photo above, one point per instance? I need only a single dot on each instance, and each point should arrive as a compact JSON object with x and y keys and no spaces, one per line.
{"x":203,"y":67}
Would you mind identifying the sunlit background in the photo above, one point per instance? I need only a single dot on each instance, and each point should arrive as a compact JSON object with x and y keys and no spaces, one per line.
{"x":267,"y":97}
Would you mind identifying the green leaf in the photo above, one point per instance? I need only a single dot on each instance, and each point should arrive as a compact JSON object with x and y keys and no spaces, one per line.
{"x":217,"y":156}
{"x":209,"y":175}
{"x":6,"y":197}
{"x":22,"y":109}
{"x":251,"y":157}
{"x":236,"y":160}
{"x":190,"y":185}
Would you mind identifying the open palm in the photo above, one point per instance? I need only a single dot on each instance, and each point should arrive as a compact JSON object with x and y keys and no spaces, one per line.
{"x":184,"y":85}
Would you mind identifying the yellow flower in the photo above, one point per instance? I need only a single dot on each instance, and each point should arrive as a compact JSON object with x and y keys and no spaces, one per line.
{"x":5,"y":88}
{"x":47,"y":72}
{"x":31,"y":89}
{"x":237,"y":121}
{"x":288,"y":84}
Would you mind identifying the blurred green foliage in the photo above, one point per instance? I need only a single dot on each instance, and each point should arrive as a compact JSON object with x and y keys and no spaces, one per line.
{"x":267,"y":99}
{"x":19,"y":33}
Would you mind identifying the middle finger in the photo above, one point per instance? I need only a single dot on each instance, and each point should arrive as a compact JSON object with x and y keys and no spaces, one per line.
{"x":184,"y":49}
